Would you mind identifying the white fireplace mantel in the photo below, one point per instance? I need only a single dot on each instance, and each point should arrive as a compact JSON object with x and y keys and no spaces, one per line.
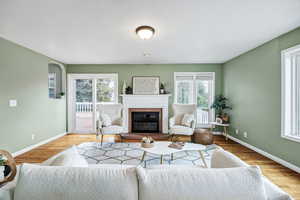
{"x":147,"y":101}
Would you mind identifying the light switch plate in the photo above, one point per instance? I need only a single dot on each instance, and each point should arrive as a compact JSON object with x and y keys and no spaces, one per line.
{"x":13,"y":103}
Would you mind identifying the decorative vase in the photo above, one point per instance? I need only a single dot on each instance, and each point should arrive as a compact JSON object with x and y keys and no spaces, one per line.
{"x":124,"y":87}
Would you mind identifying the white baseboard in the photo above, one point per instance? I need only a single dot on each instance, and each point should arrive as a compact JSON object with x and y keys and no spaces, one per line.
{"x":268,"y":155}
{"x":17,"y":153}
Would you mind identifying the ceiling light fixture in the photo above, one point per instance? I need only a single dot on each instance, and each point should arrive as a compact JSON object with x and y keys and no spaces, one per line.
{"x":145,"y":32}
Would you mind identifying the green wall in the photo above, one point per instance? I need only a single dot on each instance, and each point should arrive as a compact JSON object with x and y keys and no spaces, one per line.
{"x":166,"y":72}
{"x":252,"y":82}
{"x":24,"y":76}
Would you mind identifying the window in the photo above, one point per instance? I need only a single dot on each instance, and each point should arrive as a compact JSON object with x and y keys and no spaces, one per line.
{"x":52,"y":85}
{"x":290,"y":93}
{"x":196,"y":88}
{"x":106,"y":90}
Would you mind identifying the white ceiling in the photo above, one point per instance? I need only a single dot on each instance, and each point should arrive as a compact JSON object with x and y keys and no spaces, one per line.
{"x":187,"y":31}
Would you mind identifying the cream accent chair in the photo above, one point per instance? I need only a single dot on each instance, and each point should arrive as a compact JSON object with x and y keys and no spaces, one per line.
{"x":114,"y":111}
{"x":175,"y":122}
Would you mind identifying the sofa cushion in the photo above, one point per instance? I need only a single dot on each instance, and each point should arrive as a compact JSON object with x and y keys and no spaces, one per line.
{"x":187,"y":120}
{"x":70,"y":157}
{"x":114,"y":129}
{"x":195,"y":183}
{"x":225,"y":159}
{"x":181,"y":130}
{"x":106,"y":120}
{"x":76,"y":183}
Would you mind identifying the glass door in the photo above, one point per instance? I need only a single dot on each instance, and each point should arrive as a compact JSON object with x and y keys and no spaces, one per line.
{"x":196,"y":88}
{"x":203,"y":95}
{"x":86,"y":91}
{"x":84,"y":105}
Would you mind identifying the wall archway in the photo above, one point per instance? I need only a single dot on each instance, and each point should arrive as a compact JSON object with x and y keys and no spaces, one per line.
{"x":56,"y":80}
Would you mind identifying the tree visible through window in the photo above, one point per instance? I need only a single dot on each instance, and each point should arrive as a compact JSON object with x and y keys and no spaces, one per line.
{"x":84,"y":91}
{"x":105,"y":90}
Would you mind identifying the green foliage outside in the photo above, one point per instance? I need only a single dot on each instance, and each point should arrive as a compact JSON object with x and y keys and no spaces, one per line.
{"x":105,"y":90}
{"x":184,"y":91}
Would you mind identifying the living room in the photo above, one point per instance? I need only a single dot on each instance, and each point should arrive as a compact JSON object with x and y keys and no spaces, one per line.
{"x":139,"y":92}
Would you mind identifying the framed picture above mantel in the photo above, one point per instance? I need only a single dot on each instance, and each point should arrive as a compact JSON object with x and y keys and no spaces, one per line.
{"x":145,"y":85}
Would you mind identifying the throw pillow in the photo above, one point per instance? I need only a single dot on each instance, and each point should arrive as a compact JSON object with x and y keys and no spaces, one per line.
{"x":187,"y":120}
{"x":70,"y":157}
{"x":244,"y":183}
{"x":76,"y":183}
{"x":106,"y":120}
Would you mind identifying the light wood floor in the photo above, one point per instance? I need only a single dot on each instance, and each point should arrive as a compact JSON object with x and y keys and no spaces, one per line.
{"x":285,"y":178}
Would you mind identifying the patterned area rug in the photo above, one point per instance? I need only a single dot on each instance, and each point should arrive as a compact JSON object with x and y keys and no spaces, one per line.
{"x":131,"y":154}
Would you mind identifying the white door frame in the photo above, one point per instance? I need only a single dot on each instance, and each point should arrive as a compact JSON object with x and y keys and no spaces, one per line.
{"x":71,"y":95}
{"x":211,"y":90}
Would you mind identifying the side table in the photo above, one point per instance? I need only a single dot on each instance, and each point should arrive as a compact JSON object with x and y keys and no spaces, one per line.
{"x":225,"y":126}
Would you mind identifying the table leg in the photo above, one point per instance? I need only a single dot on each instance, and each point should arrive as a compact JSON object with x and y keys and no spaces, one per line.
{"x":161,"y":159}
{"x":143,"y":157}
{"x":172,"y":156}
{"x":202,"y":158}
{"x":225,"y":132}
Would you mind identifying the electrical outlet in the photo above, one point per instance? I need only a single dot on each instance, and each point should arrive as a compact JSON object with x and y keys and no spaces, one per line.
{"x":32,"y":136}
{"x":245,"y":134}
{"x":237,"y":131}
{"x":13,"y":103}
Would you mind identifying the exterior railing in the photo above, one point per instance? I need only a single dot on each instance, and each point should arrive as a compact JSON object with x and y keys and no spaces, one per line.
{"x":84,"y":107}
{"x":202,"y":116}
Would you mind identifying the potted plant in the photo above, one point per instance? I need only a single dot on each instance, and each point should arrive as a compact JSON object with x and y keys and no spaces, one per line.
{"x":162,"y":88}
{"x":220,"y":104}
{"x":147,"y":142}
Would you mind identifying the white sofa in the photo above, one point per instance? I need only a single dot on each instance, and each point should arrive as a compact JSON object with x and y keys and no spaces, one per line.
{"x":229,"y":178}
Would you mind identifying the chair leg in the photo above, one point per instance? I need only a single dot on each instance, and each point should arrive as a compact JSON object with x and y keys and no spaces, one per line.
{"x":101,"y":139}
{"x":172,"y":137}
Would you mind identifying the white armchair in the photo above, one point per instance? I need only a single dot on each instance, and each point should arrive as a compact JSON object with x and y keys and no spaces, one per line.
{"x":175,"y":122}
{"x":114,"y":112}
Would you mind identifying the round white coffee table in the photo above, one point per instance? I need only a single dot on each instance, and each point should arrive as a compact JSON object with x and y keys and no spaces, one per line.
{"x":161,"y":148}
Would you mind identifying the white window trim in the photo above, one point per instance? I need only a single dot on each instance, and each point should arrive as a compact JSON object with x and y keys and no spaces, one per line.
{"x":71,"y":87}
{"x":284,"y":53}
{"x":194,"y":74}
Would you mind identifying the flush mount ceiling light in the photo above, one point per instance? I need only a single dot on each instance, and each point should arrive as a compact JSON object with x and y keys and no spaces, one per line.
{"x":145,"y":32}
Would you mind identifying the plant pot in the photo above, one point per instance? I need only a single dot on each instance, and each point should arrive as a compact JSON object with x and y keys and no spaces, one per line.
{"x":225,"y":119}
{"x":162,"y":91}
